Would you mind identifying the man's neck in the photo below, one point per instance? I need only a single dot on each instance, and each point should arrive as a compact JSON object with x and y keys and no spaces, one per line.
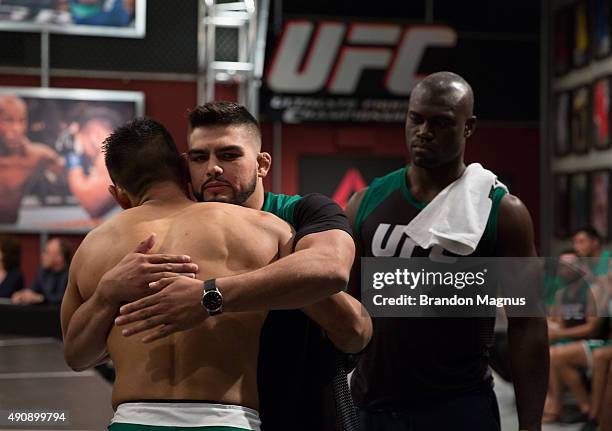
{"x":425,"y":183}
{"x":257,"y":199}
{"x":167,"y":193}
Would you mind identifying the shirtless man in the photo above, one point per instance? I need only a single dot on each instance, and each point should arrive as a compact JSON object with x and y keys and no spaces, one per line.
{"x":296,"y":359}
{"x":20,"y":159}
{"x":216,"y":359}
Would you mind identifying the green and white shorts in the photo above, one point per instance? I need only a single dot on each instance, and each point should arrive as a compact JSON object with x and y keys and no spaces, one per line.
{"x":193,"y":416}
{"x":590,"y":345}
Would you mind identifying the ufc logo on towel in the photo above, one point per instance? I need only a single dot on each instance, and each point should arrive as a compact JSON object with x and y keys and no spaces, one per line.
{"x":332,"y":56}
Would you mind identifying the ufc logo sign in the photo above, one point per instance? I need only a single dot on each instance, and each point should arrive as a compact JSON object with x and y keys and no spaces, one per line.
{"x":332,"y":56}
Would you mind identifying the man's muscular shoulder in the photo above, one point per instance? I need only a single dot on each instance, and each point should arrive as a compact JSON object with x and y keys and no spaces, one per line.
{"x":97,"y":253}
{"x":243,"y":222}
{"x":515,"y":236}
{"x":269,"y":224}
{"x":352,"y":207}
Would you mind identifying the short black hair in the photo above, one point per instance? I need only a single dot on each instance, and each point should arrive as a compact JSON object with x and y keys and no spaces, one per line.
{"x":142,"y":153}
{"x":590,"y":231}
{"x":11,"y":253}
{"x":222,"y":113}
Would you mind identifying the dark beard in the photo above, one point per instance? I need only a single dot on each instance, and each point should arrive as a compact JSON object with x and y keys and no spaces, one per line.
{"x":239,"y":199}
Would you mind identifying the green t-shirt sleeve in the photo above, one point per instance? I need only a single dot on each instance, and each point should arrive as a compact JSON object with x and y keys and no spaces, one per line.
{"x":282,"y":206}
{"x":308,"y":214}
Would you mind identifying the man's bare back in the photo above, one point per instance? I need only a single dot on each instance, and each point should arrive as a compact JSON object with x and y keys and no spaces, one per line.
{"x":217,"y":359}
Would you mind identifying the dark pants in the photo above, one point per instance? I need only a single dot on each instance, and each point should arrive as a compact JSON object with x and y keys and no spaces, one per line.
{"x":470,"y":412}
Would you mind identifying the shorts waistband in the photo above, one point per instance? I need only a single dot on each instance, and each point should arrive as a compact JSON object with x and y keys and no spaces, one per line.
{"x":192,"y":414}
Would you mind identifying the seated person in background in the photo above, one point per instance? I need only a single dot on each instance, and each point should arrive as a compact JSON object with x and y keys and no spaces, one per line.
{"x":52,"y":277}
{"x":584,"y":355}
{"x":606,"y":413}
{"x":602,"y":361}
{"x":572,"y":317}
{"x":11,"y":277}
{"x":587,"y":243}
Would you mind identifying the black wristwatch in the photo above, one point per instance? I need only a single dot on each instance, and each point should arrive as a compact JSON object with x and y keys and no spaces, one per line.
{"x":212,"y":300}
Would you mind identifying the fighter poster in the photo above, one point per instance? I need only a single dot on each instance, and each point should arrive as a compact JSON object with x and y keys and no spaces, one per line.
{"x":601,"y":113}
{"x":340,"y":176}
{"x":114,"y":18}
{"x":52,"y":171}
{"x":600,"y":202}
{"x":579,"y":201}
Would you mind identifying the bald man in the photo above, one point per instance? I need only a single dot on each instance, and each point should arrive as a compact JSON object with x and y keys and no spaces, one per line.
{"x":433,"y":373}
{"x":20,"y":159}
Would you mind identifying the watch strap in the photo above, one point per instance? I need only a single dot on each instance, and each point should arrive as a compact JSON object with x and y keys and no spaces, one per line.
{"x":210,"y":284}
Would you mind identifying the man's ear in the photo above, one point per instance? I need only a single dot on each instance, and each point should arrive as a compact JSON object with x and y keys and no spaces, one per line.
{"x":264,"y":161}
{"x":470,"y":127}
{"x":120,"y":196}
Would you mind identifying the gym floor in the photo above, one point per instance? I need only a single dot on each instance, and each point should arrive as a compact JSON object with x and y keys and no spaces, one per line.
{"x":34,"y":378}
{"x":507,"y":407}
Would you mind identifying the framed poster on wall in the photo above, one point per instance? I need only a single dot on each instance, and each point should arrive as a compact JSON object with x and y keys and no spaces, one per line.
{"x":582,"y":35}
{"x":600,"y":202}
{"x":600,"y":13}
{"x":114,"y":18}
{"x":601,"y":113}
{"x":562,"y":40}
{"x":579,"y":201}
{"x":562,"y":124}
{"x":561,"y":206}
{"x":580,"y":124}
{"x":52,"y":170}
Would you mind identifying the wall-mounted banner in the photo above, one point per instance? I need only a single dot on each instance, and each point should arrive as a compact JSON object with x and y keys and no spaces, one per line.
{"x":346,"y":71}
{"x":340,"y":176}
{"x":52,"y":171}
{"x":113,"y":18}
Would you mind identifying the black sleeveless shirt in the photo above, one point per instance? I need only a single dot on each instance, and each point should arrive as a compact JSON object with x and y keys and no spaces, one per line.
{"x":412,"y":360}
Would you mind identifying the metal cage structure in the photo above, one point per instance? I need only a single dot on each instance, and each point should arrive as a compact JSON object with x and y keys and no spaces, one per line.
{"x":231,"y":48}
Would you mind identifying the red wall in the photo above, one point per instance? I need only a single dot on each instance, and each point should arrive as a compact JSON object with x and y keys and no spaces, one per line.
{"x":165,"y":101}
{"x":510,"y":152}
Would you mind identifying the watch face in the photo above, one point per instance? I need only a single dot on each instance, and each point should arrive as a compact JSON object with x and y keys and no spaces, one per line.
{"x":212,"y":300}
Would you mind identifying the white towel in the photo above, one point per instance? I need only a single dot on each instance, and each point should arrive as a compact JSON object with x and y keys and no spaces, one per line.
{"x":457,"y":217}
